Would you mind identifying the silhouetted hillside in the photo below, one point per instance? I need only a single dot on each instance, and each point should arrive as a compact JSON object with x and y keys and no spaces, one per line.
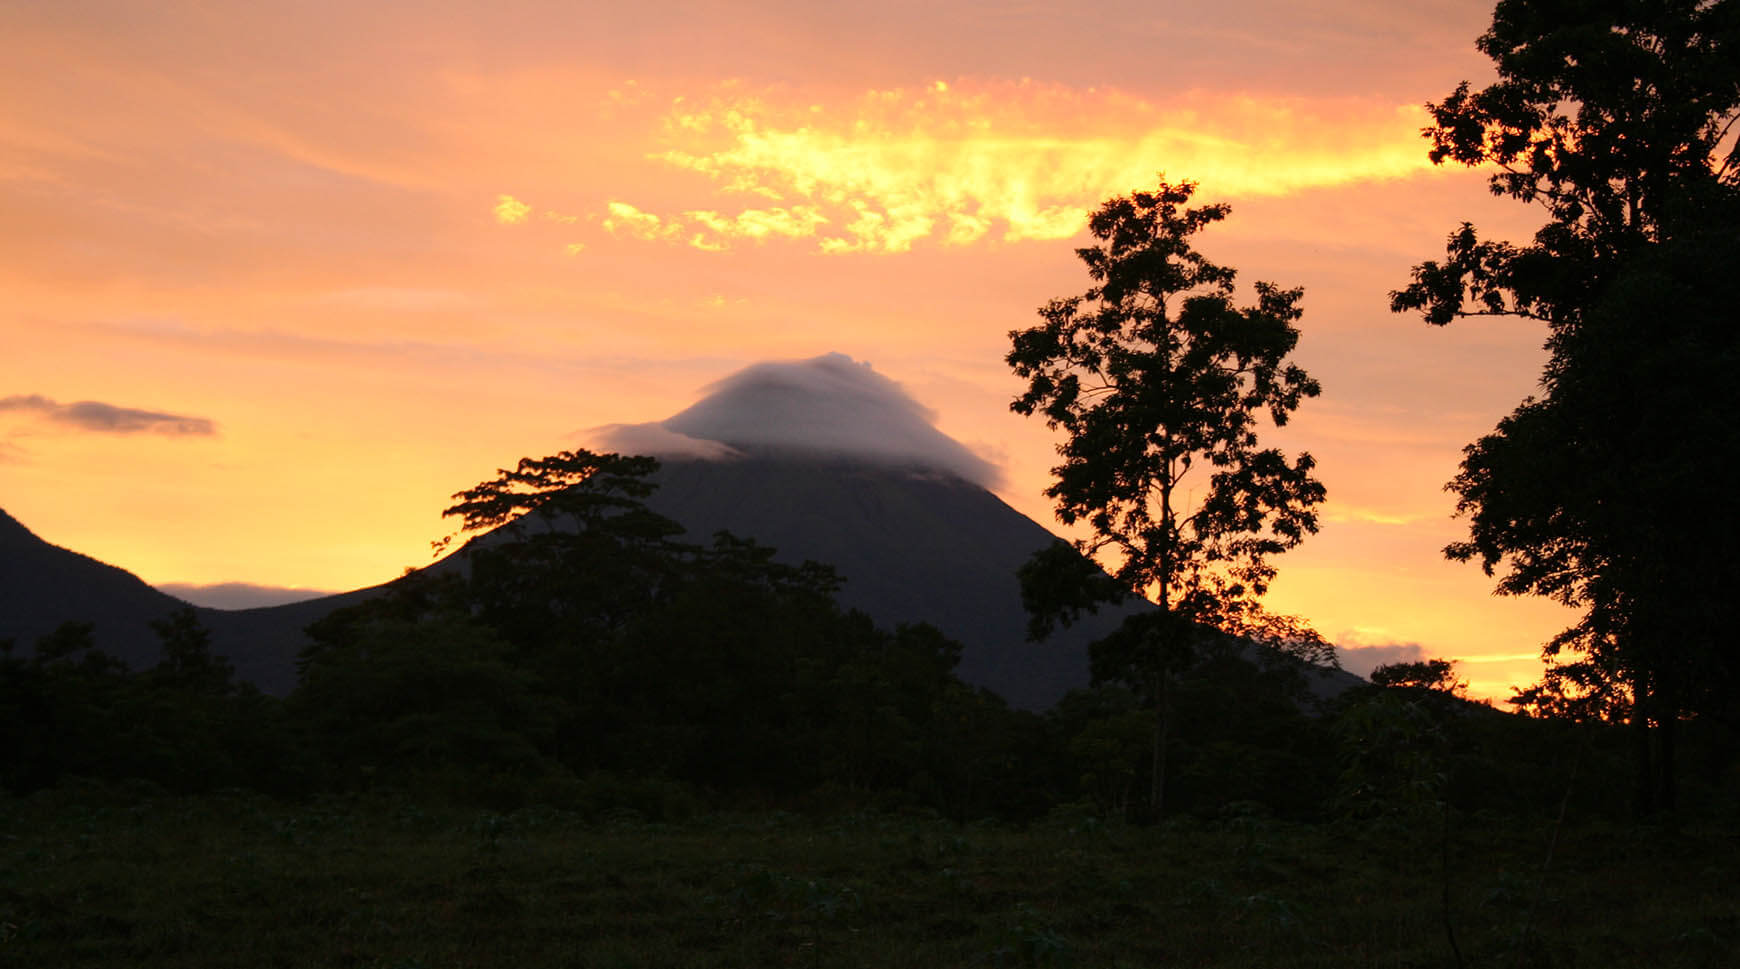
{"x":264,"y":642}
{"x":44,"y":585}
{"x":913,"y":546}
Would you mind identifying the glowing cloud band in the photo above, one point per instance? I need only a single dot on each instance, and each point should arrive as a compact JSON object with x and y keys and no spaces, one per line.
{"x":998,"y":162}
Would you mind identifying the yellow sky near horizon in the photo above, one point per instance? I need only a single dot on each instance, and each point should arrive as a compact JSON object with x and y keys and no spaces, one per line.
{"x":387,"y":250}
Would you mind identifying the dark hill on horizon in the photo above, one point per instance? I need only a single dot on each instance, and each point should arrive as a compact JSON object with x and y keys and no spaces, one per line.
{"x":43,"y":585}
{"x":912,"y":545}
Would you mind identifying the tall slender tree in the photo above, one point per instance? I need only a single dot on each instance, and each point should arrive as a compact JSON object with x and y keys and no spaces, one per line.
{"x":1612,"y":490}
{"x":1160,"y":382}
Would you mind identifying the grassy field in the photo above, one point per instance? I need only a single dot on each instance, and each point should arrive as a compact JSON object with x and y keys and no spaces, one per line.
{"x":104,"y":880}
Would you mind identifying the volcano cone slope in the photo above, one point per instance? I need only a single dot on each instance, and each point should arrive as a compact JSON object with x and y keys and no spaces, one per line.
{"x":913,"y":546}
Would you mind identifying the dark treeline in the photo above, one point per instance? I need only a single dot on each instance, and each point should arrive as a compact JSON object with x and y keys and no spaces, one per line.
{"x":608,"y":668}
{"x":1610,"y":489}
{"x":582,"y":656}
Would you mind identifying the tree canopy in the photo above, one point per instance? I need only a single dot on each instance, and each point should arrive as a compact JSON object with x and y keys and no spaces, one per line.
{"x":579,"y":633}
{"x":1611,"y":490}
{"x":1160,"y":382}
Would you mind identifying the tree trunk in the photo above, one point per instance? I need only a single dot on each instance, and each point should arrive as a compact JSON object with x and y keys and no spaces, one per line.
{"x":1643,"y":801}
{"x":1667,"y":729}
{"x":1162,"y":727}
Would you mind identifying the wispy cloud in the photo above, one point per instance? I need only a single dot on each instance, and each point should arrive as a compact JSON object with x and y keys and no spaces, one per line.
{"x":237,"y":595}
{"x":511,"y":211}
{"x":829,"y":404}
{"x":98,"y":417}
{"x":1360,"y":659}
{"x":1004,"y":162}
{"x":621,"y":218}
{"x":1369,"y":515}
{"x":403,"y":299}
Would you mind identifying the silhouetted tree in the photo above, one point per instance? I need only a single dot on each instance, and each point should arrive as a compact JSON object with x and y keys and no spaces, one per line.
{"x":576,"y":551}
{"x":436,"y":700}
{"x":1611,"y":492}
{"x":1428,"y":674}
{"x":74,"y":711}
{"x":1160,"y":380}
{"x":188,"y":663}
{"x":579,"y":632}
{"x":70,"y":641}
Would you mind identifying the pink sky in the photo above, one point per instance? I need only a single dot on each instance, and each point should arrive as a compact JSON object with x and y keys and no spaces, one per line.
{"x":385,"y":249}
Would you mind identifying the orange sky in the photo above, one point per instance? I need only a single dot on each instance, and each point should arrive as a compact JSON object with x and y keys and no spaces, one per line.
{"x":384,"y":249}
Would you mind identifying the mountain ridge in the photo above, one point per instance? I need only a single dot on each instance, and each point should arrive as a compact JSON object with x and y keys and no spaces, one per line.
{"x":43,"y":585}
{"x":913,"y":544}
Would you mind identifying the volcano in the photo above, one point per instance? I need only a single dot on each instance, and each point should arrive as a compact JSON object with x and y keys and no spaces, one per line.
{"x":821,"y":459}
{"x":827,"y":460}
{"x":913,"y":544}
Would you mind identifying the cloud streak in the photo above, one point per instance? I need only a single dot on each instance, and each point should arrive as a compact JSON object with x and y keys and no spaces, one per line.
{"x":510,"y":211}
{"x":1360,"y":659}
{"x":830,"y":405}
{"x":237,"y":595}
{"x":99,"y":418}
{"x":995,"y":161}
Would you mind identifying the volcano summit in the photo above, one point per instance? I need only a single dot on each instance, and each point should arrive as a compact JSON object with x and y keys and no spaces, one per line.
{"x":827,"y":406}
{"x":822,"y":459}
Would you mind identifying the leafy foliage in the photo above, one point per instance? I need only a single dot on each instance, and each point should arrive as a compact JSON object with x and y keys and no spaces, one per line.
{"x":584,"y":638}
{"x":1158,"y":378}
{"x":578,"y":551}
{"x":1611,"y":492}
{"x":72,"y":711}
{"x":1429,"y":674}
{"x":1614,"y":116}
{"x":390,"y":701}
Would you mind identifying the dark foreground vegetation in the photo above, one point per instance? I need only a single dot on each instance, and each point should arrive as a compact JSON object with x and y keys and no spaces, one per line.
{"x":585,"y":643}
{"x":111,"y":877}
{"x":733,"y":771}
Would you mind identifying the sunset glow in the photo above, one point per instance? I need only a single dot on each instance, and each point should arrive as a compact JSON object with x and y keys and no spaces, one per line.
{"x":964,"y":163}
{"x":279,"y":283}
